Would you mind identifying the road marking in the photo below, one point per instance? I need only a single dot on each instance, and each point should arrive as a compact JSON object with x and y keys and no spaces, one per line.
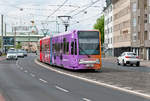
{"x":85,"y":99}
{"x":129,"y":88}
{"x":43,"y":80}
{"x":21,"y":68}
{"x":32,"y":75}
{"x":26,"y":71}
{"x":145,"y":95}
{"x":62,"y":89}
{"x":17,"y":64}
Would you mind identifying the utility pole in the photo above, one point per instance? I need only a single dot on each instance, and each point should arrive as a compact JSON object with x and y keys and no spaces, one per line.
{"x":14,"y":37}
{"x":5,"y":29}
{"x":2,"y":32}
{"x":5,"y":36}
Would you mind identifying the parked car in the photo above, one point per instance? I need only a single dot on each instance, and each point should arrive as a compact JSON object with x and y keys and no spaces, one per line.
{"x":12,"y":54}
{"x":12,"y":49}
{"x":128,"y":58}
{"x":20,"y":53}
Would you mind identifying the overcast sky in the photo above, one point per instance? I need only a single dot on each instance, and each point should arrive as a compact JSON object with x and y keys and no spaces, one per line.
{"x":21,"y":12}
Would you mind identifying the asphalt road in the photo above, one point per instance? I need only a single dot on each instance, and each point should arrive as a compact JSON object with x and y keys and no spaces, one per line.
{"x":114,"y":65}
{"x":24,"y":80}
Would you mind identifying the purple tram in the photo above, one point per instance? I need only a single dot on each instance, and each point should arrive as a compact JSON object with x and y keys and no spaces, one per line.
{"x":78,"y":49}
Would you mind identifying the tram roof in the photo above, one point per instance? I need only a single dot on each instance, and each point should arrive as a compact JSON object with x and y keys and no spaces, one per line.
{"x":65,"y":33}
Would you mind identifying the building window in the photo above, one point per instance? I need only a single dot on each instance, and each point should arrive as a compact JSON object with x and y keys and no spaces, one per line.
{"x":134,"y":7}
{"x":111,"y":8}
{"x":111,"y":41}
{"x":148,"y":2}
{"x":111,"y":29}
{"x":149,"y":35}
{"x":134,"y":37}
{"x":134,"y":22}
{"x":149,"y":18}
{"x":145,"y":35}
{"x":111,"y":18}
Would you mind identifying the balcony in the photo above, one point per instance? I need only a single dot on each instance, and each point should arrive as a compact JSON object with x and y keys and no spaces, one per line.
{"x":139,"y":30}
{"x":147,"y":43}
{"x":146,"y":27}
{"x":136,"y":43}
{"x":138,"y":12}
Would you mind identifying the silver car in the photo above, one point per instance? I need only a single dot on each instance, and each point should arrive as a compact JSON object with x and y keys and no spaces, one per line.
{"x":128,"y":58}
{"x":11,"y":54}
{"x":20,"y":53}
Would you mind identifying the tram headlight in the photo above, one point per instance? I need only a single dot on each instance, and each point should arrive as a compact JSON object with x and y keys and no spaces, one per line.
{"x":97,"y":61}
{"x":81,"y":60}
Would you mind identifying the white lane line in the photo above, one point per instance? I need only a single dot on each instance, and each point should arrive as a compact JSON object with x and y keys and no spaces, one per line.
{"x":43,"y":80}
{"x":26,"y":71}
{"x":62,"y":89}
{"x":21,"y":68}
{"x":129,"y":88}
{"x":85,"y":99}
{"x":17,"y":64}
{"x":32,"y":75}
{"x":145,"y":95}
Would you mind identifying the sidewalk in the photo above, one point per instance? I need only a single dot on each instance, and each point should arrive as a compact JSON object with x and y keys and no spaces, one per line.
{"x":144,"y":63}
{"x":2,"y":58}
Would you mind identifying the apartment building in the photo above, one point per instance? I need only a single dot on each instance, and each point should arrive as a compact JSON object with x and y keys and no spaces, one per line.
{"x":108,"y":27}
{"x":131,"y":27}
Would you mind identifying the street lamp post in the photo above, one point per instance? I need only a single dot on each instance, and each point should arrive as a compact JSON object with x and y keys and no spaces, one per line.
{"x":2,"y":32}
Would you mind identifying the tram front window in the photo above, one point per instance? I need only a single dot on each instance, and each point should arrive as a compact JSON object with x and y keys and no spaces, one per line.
{"x":89,"y":43}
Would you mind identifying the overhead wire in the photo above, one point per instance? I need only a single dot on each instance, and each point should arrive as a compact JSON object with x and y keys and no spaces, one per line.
{"x":57,"y":8}
{"x":86,"y":8}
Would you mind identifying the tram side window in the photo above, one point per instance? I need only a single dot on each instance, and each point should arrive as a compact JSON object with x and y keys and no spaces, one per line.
{"x":75,"y":47}
{"x":53,"y":48}
{"x":44,"y":47}
{"x":72,"y":48}
{"x":59,"y":47}
{"x":64,"y":45}
{"x":67,"y":48}
{"x":40,"y":48}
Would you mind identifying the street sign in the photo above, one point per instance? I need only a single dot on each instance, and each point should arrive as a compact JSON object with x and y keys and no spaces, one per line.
{"x":8,"y":41}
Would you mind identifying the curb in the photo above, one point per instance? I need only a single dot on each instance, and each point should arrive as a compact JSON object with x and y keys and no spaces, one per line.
{"x":2,"y":58}
{"x":2,"y":98}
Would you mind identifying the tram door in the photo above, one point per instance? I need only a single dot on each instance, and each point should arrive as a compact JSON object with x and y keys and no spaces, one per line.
{"x":74,"y":52}
{"x":51,"y":50}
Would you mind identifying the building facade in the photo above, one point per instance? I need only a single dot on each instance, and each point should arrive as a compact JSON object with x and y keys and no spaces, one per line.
{"x":108,"y":28}
{"x":131,"y":24}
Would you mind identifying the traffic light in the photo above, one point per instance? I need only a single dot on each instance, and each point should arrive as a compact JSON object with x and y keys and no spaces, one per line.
{"x":32,"y":22}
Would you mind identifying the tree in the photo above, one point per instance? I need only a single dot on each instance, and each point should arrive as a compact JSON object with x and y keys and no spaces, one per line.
{"x":18,"y":45}
{"x":100,"y":26}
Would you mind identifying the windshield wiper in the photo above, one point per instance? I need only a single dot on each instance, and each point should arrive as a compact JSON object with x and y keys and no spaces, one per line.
{"x":84,"y":52}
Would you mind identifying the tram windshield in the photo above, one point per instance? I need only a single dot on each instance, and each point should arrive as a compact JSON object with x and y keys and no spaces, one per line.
{"x":89,"y":43}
